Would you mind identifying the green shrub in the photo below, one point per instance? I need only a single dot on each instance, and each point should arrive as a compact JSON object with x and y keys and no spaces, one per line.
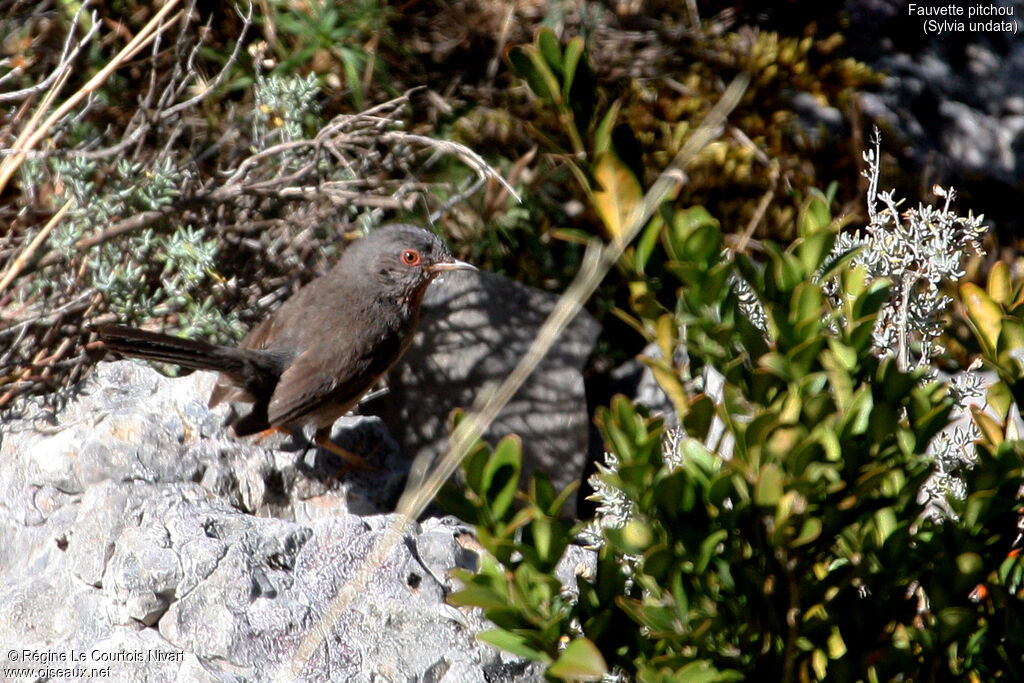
{"x":807,"y":554}
{"x":781,"y":531}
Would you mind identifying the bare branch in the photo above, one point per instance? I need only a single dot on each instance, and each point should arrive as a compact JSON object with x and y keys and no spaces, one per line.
{"x":468,"y":156}
{"x":221,"y":75}
{"x":68,"y":55}
{"x":31,"y":136}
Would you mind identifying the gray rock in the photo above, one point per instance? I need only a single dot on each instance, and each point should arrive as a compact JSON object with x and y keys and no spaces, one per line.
{"x":950,"y":102}
{"x":140,"y":539}
{"x":140,"y":543}
{"x":473,"y":330}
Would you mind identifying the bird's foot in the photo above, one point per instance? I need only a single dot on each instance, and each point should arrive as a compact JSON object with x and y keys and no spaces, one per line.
{"x":260,"y":437}
{"x":353,"y":461}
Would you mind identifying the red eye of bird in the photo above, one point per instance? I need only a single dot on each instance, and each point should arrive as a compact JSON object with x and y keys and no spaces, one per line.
{"x":411,"y":257}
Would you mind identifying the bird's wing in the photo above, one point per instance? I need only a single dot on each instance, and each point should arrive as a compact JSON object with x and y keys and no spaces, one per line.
{"x":228,"y":388}
{"x":329,"y":384}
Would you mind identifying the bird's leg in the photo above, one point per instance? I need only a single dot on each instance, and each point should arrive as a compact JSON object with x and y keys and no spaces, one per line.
{"x":297,"y":436}
{"x":262,"y":436}
{"x":323,"y":440}
{"x":352,"y":461}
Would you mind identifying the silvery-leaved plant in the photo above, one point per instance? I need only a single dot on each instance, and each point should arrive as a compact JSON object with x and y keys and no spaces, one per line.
{"x":921,"y":251}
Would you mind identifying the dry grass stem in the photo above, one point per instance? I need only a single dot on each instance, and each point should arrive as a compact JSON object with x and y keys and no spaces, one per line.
{"x":30,"y":138}
{"x":26,"y":253}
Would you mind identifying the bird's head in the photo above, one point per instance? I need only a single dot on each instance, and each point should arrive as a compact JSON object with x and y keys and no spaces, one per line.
{"x":403,"y":259}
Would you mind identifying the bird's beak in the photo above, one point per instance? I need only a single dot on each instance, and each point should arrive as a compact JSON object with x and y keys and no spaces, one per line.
{"x":445,"y":266}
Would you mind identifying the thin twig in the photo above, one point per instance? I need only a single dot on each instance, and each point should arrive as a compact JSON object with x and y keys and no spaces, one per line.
{"x":19,"y":143}
{"x":252,"y":160}
{"x":459,"y":196}
{"x":11,"y":163}
{"x":761,"y":209}
{"x":136,"y":222}
{"x":79,"y":303}
{"x":221,"y":75}
{"x":64,"y":63}
{"x":468,"y":156}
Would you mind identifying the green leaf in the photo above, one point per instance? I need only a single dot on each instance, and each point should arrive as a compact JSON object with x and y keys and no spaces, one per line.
{"x":542,"y":491}
{"x":1011,"y":338}
{"x":512,"y":642}
{"x":892,"y":384}
{"x":454,"y":501}
{"x":954,"y":622}
{"x":548,"y":46}
{"x":474,"y":595}
{"x":574,"y":235}
{"x":579,"y":661}
{"x":684,"y":224}
{"x":705,"y":672}
{"x":703,"y":244}
{"x":573,"y":53}
{"x":808,"y":304}
{"x":708,"y":549}
{"x":885,"y":523}
{"x":751,"y":273}
{"x":991,"y":431}
{"x":814,"y":219}
{"x":668,"y":379}
{"x":867,"y":305}
{"x":782,"y":273}
{"x":976,"y":512}
{"x":814,"y":249}
{"x":603,"y":132}
{"x":474,"y":467}
{"x":548,"y":540}
{"x":555,"y":508}
{"x":657,"y":562}
{"x":527,"y":61}
{"x":846,"y":355}
{"x":969,"y":564}
{"x":636,"y":536}
{"x":778,"y":365}
{"x":500,"y":477}
{"x":835,"y":263}
{"x":769,"y":486}
{"x":645,"y":244}
{"x":699,"y":416}
{"x":1000,"y":399}
{"x":1000,"y":284}
{"x":809,"y":532}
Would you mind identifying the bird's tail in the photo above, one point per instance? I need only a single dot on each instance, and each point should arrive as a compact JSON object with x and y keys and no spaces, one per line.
{"x":187,"y":353}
